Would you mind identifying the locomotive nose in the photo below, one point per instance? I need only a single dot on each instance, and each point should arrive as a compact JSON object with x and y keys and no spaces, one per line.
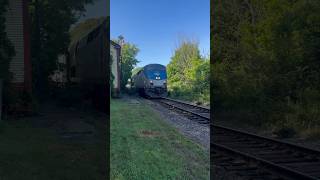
{"x":158,"y":83}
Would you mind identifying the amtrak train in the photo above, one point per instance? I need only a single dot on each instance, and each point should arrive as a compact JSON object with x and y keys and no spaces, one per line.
{"x":151,"y":81}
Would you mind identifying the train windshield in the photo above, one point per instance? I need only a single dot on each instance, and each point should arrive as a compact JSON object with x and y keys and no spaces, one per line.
{"x":156,"y":74}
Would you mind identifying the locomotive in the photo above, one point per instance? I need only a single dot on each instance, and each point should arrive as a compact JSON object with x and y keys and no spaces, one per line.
{"x":151,"y":81}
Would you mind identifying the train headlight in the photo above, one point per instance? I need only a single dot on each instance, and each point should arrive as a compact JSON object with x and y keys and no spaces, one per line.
{"x":151,"y":81}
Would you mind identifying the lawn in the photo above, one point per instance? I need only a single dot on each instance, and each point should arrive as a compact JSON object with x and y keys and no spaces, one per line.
{"x":145,"y":147}
{"x":28,"y":152}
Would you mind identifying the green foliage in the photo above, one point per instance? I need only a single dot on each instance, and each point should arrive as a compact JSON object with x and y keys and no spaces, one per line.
{"x":188,"y":73}
{"x":7,"y":51}
{"x":266,"y":61}
{"x":16,"y":102}
{"x":6,"y":47}
{"x":51,"y":21}
{"x":129,"y":53}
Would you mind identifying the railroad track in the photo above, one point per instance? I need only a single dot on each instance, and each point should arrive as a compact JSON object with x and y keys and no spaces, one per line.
{"x":194,"y":112}
{"x":252,"y":156}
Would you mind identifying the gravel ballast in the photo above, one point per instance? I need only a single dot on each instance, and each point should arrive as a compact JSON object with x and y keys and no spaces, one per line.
{"x":198,"y":133}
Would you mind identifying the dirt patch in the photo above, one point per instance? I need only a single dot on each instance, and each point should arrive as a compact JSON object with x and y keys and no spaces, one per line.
{"x":146,"y":133}
{"x":133,"y":102}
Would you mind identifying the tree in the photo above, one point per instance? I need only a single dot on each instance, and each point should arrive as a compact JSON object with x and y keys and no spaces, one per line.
{"x":185,"y":56}
{"x":51,"y":21}
{"x":6,"y":48}
{"x":128,"y":59}
{"x":188,"y":73}
{"x":266,"y":60}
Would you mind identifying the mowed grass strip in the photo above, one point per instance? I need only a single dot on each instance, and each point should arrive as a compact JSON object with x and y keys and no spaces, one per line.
{"x":145,"y":147}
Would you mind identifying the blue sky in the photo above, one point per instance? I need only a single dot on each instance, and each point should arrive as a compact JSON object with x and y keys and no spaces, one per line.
{"x":156,"y":25}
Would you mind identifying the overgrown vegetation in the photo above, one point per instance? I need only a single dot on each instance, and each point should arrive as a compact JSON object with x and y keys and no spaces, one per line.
{"x":188,"y":73}
{"x":266,"y":67}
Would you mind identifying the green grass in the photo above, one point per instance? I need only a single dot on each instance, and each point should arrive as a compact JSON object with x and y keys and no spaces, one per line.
{"x":145,"y":147}
{"x":33,"y":153}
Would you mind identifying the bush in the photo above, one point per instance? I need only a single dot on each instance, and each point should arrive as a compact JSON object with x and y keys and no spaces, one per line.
{"x":18,"y":102}
{"x":188,"y":74}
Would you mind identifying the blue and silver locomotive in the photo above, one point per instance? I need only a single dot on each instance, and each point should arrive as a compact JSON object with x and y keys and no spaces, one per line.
{"x":151,"y":81}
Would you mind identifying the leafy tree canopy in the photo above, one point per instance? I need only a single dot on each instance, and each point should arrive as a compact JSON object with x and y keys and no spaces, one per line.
{"x":188,"y":73}
{"x":51,"y":22}
{"x":6,"y":47}
{"x":185,"y":57}
{"x":265,"y":56}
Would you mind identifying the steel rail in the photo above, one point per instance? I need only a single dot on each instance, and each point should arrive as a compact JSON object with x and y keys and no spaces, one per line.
{"x":186,"y":110}
{"x":279,"y":170}
{"x":186,"y":103}
{"x":298,"y":171}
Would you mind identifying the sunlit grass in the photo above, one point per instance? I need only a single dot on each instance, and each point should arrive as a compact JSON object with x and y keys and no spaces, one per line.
{"x":144,"y":147}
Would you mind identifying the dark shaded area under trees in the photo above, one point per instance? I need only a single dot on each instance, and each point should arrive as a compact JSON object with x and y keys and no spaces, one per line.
{"x":6,"y":48}
{"x":50,"y":23}
{"x":266,"y":63}
{"x":7,"y":51}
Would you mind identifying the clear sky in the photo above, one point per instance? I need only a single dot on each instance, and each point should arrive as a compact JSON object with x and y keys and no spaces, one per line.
{"x":156,"y":25}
